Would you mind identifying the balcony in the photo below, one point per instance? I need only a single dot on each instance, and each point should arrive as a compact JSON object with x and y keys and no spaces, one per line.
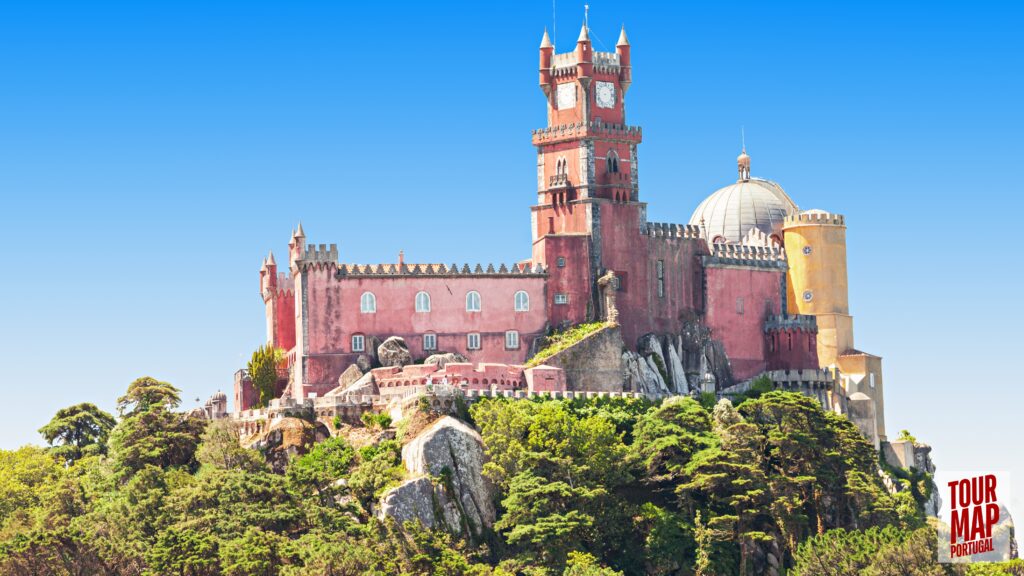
{"x":558,"y":181}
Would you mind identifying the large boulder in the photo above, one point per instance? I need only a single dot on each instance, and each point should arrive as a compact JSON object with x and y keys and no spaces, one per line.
{"x":394,"y":352}
{"x":351,"y":374}
{"x":449,"y":455}
{"x":366,"y":385}
{"x":288,"y":437}
{"x":676,"y":372}
{"x":442,"y":359}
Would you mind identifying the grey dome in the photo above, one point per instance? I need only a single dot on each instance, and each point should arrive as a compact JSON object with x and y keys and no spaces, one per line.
{"x":731,"y":212}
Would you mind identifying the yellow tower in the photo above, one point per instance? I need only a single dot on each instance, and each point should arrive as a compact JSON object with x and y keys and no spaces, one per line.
{"x":816,"y":283}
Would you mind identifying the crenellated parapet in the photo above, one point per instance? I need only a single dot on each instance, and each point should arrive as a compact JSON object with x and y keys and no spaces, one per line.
{"x":428,"y":270}
{"x":814,"y":217}
{"x":322,"y":253}
{"x":565,"y":65}
{"x":798,"y":322}
{"x":663,"y":230}
{"x":592,"y":129}
{"x":750,"y":256}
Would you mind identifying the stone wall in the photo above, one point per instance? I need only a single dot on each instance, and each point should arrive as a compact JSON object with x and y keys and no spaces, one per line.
{"x":594,"y":363}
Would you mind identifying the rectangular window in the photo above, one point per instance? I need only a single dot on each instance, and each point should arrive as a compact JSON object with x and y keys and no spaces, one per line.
{"x":660,"y":270}
{"x":358,"y":343}
{"x":473,"y":341}
{"x":739,"y":305}
{"x":871,"y":379}
{"x":511,"y":340}
{"x":430,"y":341}
{"x":561,"y":298}
{"x":561,"y":261}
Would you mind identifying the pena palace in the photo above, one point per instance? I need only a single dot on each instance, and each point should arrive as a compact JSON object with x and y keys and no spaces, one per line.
{"x":751,"y":285}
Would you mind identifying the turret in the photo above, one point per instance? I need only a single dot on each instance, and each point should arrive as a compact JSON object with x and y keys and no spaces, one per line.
{"x":625,"y":70}
{"x":547,"y":52}
{"x":270,"y":265}
{"x":584,"y":56}
{"x":296,"y":246}
{"x":743,"y":165}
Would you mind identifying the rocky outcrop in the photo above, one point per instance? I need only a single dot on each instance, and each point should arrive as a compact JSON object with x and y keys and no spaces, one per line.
{"x":394,"y":352}
{"x":639,"y":377}
{"x":593,"y":363}
{"x":442,"y":359}
{"x":365,"y":386}
{"x":351,"y":375}
{"x":680,"y":385}
{"x":286,"y":438}
{"x":449,"y":490}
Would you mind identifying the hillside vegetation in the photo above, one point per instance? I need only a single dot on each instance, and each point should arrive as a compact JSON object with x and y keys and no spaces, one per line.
{"x":584,"y":488}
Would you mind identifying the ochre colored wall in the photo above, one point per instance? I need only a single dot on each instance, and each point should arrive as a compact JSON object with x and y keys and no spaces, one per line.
{"x":816,"y":250}
{"x":742,"y":333}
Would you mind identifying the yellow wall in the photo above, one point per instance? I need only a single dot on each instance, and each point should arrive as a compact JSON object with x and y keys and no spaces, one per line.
{"x":816,"y":251}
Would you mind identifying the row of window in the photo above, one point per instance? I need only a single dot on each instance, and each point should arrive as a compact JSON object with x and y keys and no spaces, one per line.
{"x":521,"y":302}
{"x":430,"y":341}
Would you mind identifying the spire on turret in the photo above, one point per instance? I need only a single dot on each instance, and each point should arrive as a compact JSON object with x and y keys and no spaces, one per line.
{"x":270,"y":259}
{"x":584,"y":34}
{"x":623,"y":41}
{"x":545,"y":42}
{"x":299,"y":233}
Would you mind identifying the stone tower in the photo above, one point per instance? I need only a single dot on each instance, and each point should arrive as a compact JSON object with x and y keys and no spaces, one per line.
{"x":817,"y":285}
{"x":586,"y":174}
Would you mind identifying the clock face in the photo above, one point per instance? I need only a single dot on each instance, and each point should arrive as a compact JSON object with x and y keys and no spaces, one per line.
{"x":566,"y":96}
{"x":605,"y":95}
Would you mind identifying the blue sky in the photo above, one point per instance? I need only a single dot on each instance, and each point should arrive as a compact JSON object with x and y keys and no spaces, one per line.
{"x":151,"y":154}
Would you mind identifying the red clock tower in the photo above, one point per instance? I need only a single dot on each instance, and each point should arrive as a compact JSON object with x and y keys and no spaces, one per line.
{"x":587,"y":216}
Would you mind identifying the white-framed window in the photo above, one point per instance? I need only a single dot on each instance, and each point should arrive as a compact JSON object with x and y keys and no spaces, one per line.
{"x":473,"y":341}
{"x":472,"y":301}
{"x":358,"y":343}
{"x":430,"y":341}
{"x":871,"y":379}
{"x":422,"y":302}
{"x":368,"y":303}
{"x":561,"y":298}
{"x":660,"y":273}
{"x":522,"y":301}
{"x":561,"y":262}
{"x":511,"y":340}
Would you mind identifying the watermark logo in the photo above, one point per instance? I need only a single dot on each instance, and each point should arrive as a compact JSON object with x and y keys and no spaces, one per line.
{"x":974,"y":523}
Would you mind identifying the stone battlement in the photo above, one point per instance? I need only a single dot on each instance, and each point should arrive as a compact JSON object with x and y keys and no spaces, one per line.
{"x":564,"y":65}
{"x":815,"y":217}
{"x":323,"y":253}
{"x":800,"y":322}
{"x":439,"y":270}
{"x":590,"y":129}
{"x":663,"y":230}
{"x":739,"y":255}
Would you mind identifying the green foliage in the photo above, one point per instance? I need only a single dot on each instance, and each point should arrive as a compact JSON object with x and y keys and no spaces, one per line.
{"x":376,"y":420}
{"x":601,"y":487}
{"x":262,"y":369}
{"x":219,"y":447}
{"x":326,"y":463}
{"x":77,"y":431}
{"x":155,"y":437}
{"x":559,"y":341}
{"x":906,"y":435}
{"x":148,"y":393}
{"x":337,"y":422}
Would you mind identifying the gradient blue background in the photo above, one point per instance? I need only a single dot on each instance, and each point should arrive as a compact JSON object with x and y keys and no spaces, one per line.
{"x":151,"y":155}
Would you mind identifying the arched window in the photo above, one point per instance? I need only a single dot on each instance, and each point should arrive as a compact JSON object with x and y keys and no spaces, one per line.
{"x":719,"y":240}
{"x":472,"y":301}
{"x":561,"y":166}
{"x":613,"y":162}
{"x":368,"y":303}
{"x":522,"y":301}
{"x":422,"y":302}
